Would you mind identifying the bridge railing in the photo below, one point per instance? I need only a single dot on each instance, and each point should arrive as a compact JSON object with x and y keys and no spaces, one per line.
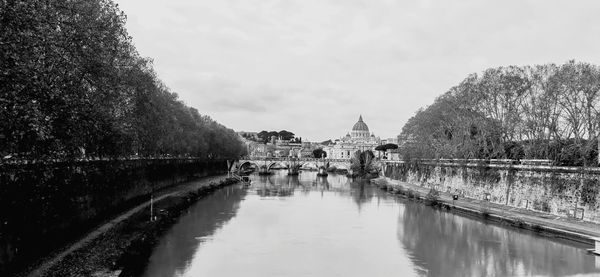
{"x":294,"y":159}
{"x":541,"y":162}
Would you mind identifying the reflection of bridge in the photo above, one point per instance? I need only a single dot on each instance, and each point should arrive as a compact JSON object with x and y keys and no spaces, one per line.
{"x":264,"y":164}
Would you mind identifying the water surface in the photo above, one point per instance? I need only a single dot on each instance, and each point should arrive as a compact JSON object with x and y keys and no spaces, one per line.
{"x":312,"y":226}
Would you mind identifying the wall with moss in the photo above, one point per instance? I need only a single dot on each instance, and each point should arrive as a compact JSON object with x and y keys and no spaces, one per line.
{"x":43,"y":205}
{"x":556,"y":190}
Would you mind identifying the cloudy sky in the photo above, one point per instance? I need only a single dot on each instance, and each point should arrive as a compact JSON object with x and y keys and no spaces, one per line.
{"x":312,"y":66}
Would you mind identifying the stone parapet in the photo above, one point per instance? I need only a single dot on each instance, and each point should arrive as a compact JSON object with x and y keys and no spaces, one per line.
{"x":564,"y":191}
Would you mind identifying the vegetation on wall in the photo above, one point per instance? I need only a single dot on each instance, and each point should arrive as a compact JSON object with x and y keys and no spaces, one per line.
{"x":529,"y":112}
{"x":74,"y":85}
{"x":71,"y":198}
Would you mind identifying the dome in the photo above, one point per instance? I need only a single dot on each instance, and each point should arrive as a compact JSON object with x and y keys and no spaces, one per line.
{"x":360,"y":125}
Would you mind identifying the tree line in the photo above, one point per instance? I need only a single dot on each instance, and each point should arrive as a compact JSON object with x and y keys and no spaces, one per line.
{"x":74,"y":85}
{"x":517,"y":112}
{"x":265,"y":136}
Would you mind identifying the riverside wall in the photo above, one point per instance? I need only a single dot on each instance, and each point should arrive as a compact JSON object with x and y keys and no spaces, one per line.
{"x":44,"y":205}
{"x":563,"y":191}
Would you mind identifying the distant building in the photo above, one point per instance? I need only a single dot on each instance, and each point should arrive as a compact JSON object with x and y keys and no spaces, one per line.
{"x":390,"y":140}
{"x":306,"y":153}
{"x":261,"y":150}
{"x":358,"y":139}
{"x":394,"y":155}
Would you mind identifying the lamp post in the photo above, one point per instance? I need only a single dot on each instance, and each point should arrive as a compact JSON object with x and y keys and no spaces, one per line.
{"x":486,"y":203}
{"x":151,"y":207}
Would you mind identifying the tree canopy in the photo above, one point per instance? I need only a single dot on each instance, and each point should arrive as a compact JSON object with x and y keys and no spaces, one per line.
{"x":319,"y":153}
{"x":385,"y":147}
{"x":535,"y":112}
{"x":265,"y":136}
{"x":362,"y":163}
{"x":286,"y":135}
{"x":74,"y":84}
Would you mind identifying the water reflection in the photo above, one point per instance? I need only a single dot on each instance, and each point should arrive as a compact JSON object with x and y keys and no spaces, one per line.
{"x":172,"y":254}
{"x":449,"y":245}
{"x":332,"y":226}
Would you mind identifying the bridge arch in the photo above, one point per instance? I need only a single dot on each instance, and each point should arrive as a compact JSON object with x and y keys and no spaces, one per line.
{"x":340,"y":166}
{"x":310,"y":163}
{"x":269,"y":162}
{"x":275,"y":163}
{"x":246,"y":163}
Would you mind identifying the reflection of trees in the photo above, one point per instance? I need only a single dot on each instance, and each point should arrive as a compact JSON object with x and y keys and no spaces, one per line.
{"x":202,"y":220}
{"x":449,"y":245}
{"x":322,"y":183}
{"x":362,"y":192}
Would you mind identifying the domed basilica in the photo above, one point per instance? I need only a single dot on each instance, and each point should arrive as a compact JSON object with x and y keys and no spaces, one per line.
{"x":358,"y":139}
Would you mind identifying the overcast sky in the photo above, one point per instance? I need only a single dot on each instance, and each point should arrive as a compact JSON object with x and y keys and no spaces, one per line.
{"x":312,"y":66}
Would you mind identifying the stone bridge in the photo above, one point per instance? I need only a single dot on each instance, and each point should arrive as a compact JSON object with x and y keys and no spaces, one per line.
{"x":264,"y":164}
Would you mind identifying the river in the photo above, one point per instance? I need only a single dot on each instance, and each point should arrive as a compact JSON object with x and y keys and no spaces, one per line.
{"x":313,"y":226}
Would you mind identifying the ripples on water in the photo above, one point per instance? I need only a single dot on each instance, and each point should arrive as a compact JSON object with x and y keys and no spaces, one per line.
{"x":312,"y":226}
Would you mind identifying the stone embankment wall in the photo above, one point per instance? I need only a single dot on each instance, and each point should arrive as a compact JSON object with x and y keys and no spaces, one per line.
{"x":565,"y":191}
{"x":43,"y":205}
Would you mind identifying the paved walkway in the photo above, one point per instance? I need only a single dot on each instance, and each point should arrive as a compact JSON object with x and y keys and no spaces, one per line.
{"x":563,"y":227}
{"x":172,"y":191}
